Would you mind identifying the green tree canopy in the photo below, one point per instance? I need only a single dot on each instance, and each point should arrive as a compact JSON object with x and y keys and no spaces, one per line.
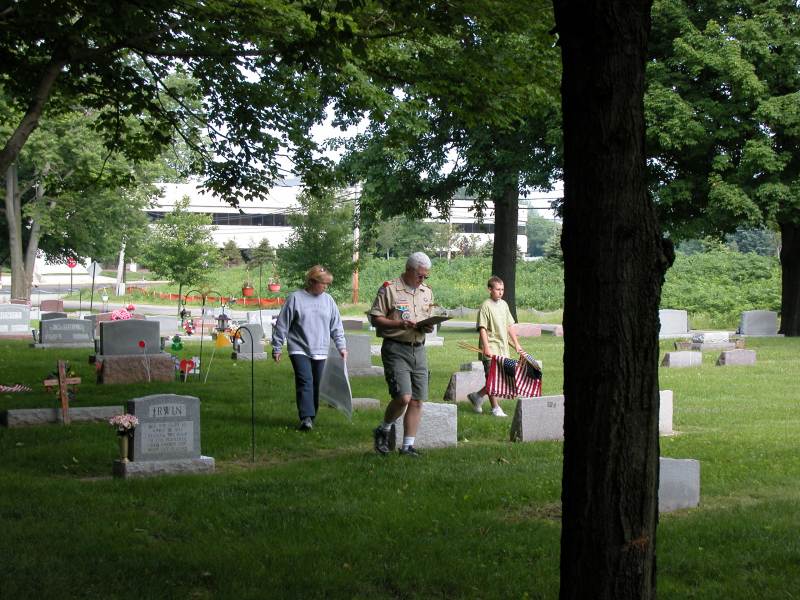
{"x":724,"y":124}
{"x":323,"y":234}
{"x":180,"y":247}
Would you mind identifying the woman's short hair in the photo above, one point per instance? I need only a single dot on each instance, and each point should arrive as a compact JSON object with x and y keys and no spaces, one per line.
{"x":318,"y":274}
{"x":418,"y":259}
{"x":493,"y":281}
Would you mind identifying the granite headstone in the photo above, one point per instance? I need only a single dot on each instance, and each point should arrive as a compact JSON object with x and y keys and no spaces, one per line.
{"x":14,"y":319}
{"x":758,"y":322}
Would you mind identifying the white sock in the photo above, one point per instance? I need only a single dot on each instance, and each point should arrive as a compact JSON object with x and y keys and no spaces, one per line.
{"x":386,"y":426}
{"x":408,"y":440}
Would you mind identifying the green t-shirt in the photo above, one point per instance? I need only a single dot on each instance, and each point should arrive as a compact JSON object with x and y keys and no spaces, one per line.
{"x":495,"y":317}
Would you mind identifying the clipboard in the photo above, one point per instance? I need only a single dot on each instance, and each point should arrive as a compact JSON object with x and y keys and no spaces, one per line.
{"x":432,"y":321}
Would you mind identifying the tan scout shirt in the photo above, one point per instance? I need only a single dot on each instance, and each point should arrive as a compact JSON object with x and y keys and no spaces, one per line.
{"x":395,"y":301}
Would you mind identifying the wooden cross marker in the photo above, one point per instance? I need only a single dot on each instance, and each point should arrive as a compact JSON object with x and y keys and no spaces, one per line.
{"x":62,"y":382}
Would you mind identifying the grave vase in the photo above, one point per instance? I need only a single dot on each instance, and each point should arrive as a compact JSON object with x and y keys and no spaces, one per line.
{"x":123,"y":446}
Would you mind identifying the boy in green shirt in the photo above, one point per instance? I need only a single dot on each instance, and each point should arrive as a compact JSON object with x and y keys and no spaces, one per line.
{"x":495,"y":328}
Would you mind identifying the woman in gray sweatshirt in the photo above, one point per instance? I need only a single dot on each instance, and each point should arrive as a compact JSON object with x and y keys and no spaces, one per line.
{"x":307,"y":322}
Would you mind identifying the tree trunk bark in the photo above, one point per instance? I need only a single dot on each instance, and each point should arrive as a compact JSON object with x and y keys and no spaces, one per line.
{"x":34,"y":236}
{"x":504,"y":250}
{"x":614,"y":265}
{"x":30,"y":121}
{"x":790,"y":279}
{"x":20,"y":286}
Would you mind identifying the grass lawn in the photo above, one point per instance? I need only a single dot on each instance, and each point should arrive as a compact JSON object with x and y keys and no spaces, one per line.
{"x":319,"y":515}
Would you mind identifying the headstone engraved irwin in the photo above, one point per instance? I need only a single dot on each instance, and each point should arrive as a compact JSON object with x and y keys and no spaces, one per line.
{"x":15,"y":319}
{"x":167,"y":439}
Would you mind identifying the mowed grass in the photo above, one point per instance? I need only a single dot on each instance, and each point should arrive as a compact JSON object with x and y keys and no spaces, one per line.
{"x":319,"y":515}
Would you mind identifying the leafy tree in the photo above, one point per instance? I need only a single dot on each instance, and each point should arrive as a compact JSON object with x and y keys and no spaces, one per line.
{"x":759,"y":241}
{"x":180,"y":247}
{"x":323,"y":234}
{"x":63,"y":197}
{"x":230,"y":254}
{"x":539,"y":232}
{"x":614,"y":264}
{"x":724,"y":127}
{"x":262,"y":254}
{"x":473,"y":109}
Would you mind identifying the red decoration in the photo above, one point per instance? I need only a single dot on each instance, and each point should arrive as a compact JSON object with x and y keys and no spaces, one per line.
{"x":131,"y":308}
{"x":387,"y":283}
{"x":141,"y":344}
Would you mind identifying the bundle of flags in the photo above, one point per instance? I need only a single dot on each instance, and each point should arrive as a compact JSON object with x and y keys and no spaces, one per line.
{"x":509,"y":378}
{"x":18,"y":387}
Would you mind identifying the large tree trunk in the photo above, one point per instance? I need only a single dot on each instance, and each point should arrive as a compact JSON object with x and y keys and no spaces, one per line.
{"x":20,"y":284}
{"x":504,"y":251}
{"x":614,"y":264}
{"x":790,"y":279}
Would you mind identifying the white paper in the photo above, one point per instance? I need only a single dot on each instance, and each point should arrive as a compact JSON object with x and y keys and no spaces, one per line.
{"x":334,"y":388}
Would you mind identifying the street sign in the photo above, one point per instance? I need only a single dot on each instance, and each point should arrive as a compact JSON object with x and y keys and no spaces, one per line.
{"x":72,"y":263}
{"x":94,"y":269}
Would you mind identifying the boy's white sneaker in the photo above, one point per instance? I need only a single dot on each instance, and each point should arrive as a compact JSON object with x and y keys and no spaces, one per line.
{"x":498,"y":412}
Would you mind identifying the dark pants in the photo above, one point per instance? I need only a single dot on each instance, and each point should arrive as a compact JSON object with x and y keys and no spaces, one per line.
{"x":307,"y":375}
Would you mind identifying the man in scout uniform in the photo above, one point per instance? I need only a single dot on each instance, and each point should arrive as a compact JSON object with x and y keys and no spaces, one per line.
{"x":399,"y":305}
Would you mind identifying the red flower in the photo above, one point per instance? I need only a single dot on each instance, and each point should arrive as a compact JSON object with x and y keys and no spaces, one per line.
{"x":141,"y":344}
{"x":387,"y":283}
{"x":131,"y":308}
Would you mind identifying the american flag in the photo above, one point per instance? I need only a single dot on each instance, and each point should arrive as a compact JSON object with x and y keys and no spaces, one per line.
{"x":509,"y":378}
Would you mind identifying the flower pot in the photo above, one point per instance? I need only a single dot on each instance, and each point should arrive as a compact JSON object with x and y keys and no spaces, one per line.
{"x":248,"y":291}
{"x":274,"y":287}
{"x":123,"y":447}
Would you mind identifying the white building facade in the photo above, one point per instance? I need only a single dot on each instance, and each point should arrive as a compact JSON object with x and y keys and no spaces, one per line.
{"x":267,"y":218}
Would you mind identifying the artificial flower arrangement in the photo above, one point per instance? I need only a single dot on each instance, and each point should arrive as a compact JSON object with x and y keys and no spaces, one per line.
{"x":124,"y":424}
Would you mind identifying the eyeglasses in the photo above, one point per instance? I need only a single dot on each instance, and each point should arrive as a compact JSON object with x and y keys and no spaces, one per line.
{"x":419,"y":276}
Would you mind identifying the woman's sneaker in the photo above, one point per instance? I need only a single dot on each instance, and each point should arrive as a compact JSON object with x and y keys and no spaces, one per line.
{"x":476,"y":401}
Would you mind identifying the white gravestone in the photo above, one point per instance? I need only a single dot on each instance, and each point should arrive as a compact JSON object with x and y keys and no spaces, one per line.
{"x":673,"y":322}
{"x":438,"y":427}
{"x":683,"y":358}
{"x":14,"y":319}
{"x":249,"y":343}
{"x":542,"y":418}
{"x":433,"y":338}
{"x":679,"y":484}
{"x":758,"y":322}
{"x":359,"y":357}
{"x":167,"y":439}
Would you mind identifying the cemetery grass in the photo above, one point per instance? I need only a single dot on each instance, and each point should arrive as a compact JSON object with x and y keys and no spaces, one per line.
{"x":320,"y":515}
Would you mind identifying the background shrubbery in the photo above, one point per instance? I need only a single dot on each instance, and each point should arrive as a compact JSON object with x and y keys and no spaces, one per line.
{"x":715,"y":287}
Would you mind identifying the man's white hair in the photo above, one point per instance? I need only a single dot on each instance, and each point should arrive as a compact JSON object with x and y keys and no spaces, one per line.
{"x":418,"y":259}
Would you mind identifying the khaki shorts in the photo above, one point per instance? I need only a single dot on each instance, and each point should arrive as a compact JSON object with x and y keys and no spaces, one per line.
{"x":406,"y":369}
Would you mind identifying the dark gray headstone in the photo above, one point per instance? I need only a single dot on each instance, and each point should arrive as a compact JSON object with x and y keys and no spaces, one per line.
{"x":123,"y":337}
{"x":14,"y":319}
{"x":169,"y":427}
{"x":758,"y":322}
{"x":52,"y":315}
{"x":66,"y":332}
{"x":352,"y":324}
